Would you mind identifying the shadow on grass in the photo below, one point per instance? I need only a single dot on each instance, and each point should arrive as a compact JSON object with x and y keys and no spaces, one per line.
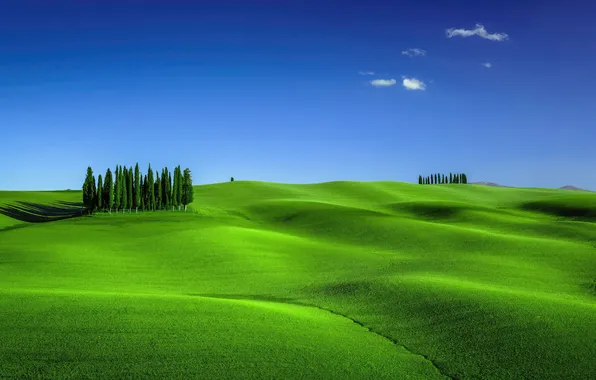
{"x":39,"y":213}
{"x":585,"y":213}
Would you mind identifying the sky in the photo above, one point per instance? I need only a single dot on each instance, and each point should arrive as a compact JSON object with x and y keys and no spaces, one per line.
{"x":298,"y":91}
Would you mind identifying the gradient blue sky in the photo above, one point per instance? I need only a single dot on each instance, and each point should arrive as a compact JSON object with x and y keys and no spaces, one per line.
{"x":271,"y":90}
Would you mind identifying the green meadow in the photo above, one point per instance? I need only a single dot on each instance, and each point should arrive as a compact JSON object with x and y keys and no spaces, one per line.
{"x":339,"y":280}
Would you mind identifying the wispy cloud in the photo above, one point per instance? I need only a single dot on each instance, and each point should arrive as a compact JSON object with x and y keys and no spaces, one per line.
{"x":415,"y":52}
{"x":383,"y":82}
{"x":366,"y":72}
{"x":413,"y":84}
{"x":478,"y":31}
{"x":488,"y":65}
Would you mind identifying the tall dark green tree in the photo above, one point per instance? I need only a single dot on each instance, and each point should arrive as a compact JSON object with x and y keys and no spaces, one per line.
{"x":108,"y":189}
{"x":94,"y":194}
{"x":130,"y":190}
{"x":165,"y":196}
{"x":123,"y":191}
{"x":144,"y":193}
{"x":443,"y":181}
{"x":157,"y":191}
{"x":99,"y":196}
{"x":136,"y":200}
{"x":150,"y":184}
{"x":420,"y":180}
{"x":171,"y":190}
{"x":450,"y":177}
{"x":117,"y":188}
{"x":464,"y":178}
{"x":187,"y":190}
{"x":436,"y":179}
{"x":176,"y":188}
{"x":88,"y":187}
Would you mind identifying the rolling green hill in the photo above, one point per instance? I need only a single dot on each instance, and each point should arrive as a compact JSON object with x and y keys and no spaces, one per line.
{"x":331,"y":280}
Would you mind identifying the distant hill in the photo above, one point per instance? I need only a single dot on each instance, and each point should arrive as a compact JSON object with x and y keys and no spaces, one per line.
{"x":569,"y":187}
{"x":484,"y":183}
{"x":493,"y":184}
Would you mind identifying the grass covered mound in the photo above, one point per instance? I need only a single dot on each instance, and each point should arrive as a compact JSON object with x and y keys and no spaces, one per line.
{"x":331,"y":280}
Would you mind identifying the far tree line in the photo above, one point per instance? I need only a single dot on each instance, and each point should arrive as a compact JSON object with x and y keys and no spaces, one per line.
{"x":128,"y":190}
{"x":442,"y":178}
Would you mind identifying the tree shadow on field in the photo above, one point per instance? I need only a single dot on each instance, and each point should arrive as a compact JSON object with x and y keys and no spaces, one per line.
{"x":39,"y":213}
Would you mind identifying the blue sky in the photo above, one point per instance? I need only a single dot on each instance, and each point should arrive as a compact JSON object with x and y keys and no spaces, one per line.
{"x":275,"y":91}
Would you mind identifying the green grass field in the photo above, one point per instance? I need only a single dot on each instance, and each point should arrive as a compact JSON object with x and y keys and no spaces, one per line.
{"x":337,"y":280}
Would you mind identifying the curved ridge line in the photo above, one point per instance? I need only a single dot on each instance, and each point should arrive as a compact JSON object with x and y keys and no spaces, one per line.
{"x":359,"y":323}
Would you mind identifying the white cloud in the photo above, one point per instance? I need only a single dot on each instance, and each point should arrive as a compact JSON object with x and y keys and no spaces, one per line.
{"x":479,"y":31}
{"x":414,"y":52}
{"x":383,"y":82}
{"x":488,"y":65}
{"x":413,"y":84}
{"x":366,"y":72}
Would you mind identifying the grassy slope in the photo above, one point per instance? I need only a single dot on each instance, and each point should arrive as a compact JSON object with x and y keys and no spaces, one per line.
{"x":485,"y":282}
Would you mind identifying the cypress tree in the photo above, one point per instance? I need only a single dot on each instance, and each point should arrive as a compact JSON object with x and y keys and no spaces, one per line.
{"x":137,"y":189}
{"x":116,"y":188}
{"x":464,"y":178}
{"x":187,"y":190}
{"x":443,"y":180}
{"x":129,"y":189}
{"x":88,"y":185}
{"x":99,"y":196}
{"x":450,"y":178}
{"x":171,"y":190}
{"x":420,"y":180}
{"x":150,"y":192}
{"x":165,"y":196}
{"x":456,"y":178}
{"x":175,"y":189}
{"x":436,"y":179}
{"x":108,"y":189}
{"x":157,"y":190}
{"x":93,"y":194}
{"x":432,"y":179}
{"x":180,"y":186}
{"x":123,"y":191}
{"x":144,"y":193}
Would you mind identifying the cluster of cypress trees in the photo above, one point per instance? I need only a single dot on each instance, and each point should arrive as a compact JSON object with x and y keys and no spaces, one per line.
{"x":442,"y":178}
{"x":125,"y":190}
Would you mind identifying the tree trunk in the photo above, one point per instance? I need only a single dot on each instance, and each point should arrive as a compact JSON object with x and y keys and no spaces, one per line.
{"x":184,"y":208}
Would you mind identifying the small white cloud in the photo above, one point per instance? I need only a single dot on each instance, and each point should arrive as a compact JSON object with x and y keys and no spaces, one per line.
{"x":488,"y":65}
{"x":383,"y":82}
{"x":479,"y":31}
{"x":415,"y":52}
{"x":366,"y":72}
{"x":413,"y":84}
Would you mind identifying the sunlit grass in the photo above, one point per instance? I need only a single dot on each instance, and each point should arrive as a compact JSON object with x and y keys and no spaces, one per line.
{"x":484,"y":282}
